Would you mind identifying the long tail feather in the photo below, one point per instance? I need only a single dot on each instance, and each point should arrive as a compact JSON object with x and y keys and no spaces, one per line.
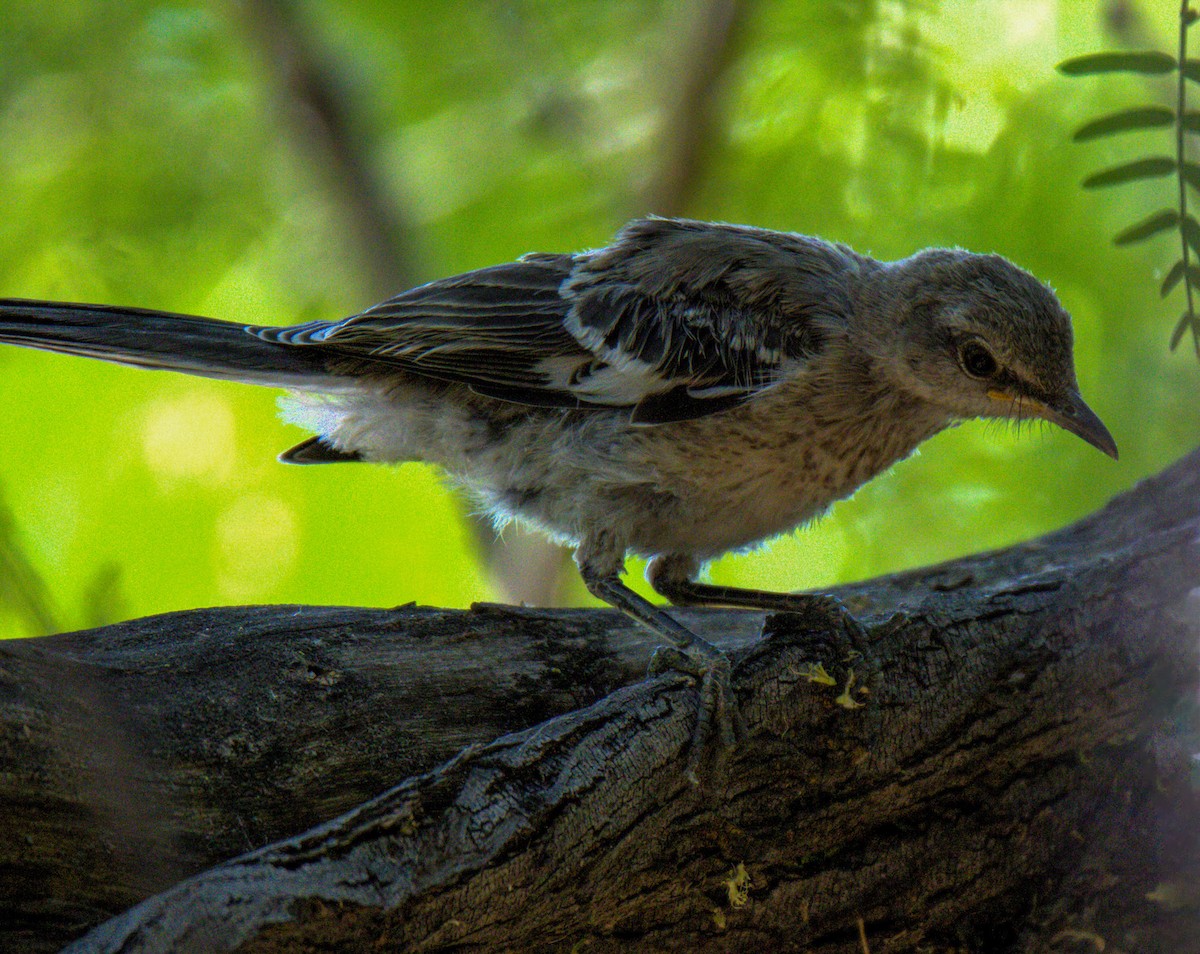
{"x":156,"y":339}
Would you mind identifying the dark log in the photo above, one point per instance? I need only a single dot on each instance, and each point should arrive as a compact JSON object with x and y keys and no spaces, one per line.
{"x":1022,"y":775}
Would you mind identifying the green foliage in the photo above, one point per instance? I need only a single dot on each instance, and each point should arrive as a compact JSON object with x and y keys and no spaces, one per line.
{"x":1145,"y":117}
{"x":1154,"y":167}
{"x":1148,"y":63}
{"x":1150,"y":226}
{"x":150,"y":157}
{"x":1183,"y":120}
{"x":23,"y":594}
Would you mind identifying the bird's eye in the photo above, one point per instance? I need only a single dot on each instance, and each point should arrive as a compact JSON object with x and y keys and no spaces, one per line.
{"x":977,"y":361}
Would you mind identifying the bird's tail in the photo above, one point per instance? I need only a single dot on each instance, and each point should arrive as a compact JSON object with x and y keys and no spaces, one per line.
{"x":157,"y":339}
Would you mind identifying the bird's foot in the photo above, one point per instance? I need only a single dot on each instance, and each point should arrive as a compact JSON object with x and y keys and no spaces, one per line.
{"x":719,"y":724}
{"x":717,"y":714}
{"x":673,"y":577}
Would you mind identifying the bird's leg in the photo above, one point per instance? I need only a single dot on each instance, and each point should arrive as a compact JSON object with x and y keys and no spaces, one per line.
{"x":675,"y":578}
{"x":690,"y":654}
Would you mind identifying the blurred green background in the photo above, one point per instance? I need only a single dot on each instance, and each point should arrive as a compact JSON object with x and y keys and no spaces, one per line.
{"x":276,"y":162}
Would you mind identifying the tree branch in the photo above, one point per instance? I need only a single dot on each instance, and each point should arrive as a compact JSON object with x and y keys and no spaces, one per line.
{"x":1018,"y":780}
{"x":689,"y":127}
{"x":312,"y":99}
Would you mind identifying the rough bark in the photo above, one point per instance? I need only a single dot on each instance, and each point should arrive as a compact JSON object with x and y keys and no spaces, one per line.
{"x":1021,"y":778}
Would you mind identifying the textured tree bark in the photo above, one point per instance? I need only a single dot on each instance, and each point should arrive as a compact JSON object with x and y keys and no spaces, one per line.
{"x":1021,"y":775}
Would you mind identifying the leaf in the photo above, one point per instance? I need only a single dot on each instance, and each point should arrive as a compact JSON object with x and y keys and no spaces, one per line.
{"x":1191,"y":174}
{"x":1148,"y":62}
{"x":1184,"y":323}
{"x":1191,"y":121}
{"x":1146,"y":117}
{"x":1158,"y":222}
{"x":1191,"y":235}
{"x":1175,"y":276}
{"x":1191,"y":69}
{"x":1153,"y":167}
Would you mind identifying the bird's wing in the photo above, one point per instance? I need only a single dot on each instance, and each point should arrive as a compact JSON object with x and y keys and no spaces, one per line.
{"x":569,"y":331}
{"x":496,"y":330}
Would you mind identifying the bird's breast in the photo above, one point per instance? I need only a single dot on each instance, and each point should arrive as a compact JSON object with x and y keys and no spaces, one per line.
{"x":733,"y":480}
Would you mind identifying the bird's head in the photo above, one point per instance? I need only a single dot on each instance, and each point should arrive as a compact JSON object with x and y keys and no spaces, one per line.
{"x":978,"y":337}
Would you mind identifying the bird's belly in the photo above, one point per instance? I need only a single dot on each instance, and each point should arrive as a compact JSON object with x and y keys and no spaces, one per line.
{"x":736,"y":501}
{"x":654,"y":489}
{"x":699,"y":487}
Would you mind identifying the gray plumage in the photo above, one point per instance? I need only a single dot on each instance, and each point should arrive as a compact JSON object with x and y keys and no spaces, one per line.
{"x":690,"y":389}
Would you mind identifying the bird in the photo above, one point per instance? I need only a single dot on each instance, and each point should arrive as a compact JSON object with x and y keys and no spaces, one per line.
{"x":690,"y":389}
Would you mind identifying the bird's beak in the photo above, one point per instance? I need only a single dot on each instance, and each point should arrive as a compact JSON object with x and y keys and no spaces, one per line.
{"x":1075,"y":416}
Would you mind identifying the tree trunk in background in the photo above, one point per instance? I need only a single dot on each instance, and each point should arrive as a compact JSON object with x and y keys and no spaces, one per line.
{"x":1022,"y":776}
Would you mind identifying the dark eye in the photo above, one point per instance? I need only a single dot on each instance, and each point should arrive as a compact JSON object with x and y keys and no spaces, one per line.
{"x":977,"y":361}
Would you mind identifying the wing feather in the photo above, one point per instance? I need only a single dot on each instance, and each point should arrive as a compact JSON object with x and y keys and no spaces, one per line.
{"x":674,"y":320}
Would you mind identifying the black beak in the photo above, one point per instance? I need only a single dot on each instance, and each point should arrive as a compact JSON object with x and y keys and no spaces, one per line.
{"x":1075,"y":416}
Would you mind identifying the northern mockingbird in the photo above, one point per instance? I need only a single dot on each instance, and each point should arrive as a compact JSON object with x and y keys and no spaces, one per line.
{"x":690,"y":389}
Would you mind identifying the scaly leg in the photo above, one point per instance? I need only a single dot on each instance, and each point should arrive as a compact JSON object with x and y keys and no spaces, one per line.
{"x":674,"y":577}
{"x":690,"y":653}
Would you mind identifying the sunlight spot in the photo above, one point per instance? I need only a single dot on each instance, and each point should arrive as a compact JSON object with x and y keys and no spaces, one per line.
{"x":190,"y":437}
{"x":966,"y":497}
{"x":256,"y":546}
{"x":1026,"y":21}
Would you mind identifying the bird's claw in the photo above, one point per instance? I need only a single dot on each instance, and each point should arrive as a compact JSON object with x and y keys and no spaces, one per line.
{"x":718,"y":719}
